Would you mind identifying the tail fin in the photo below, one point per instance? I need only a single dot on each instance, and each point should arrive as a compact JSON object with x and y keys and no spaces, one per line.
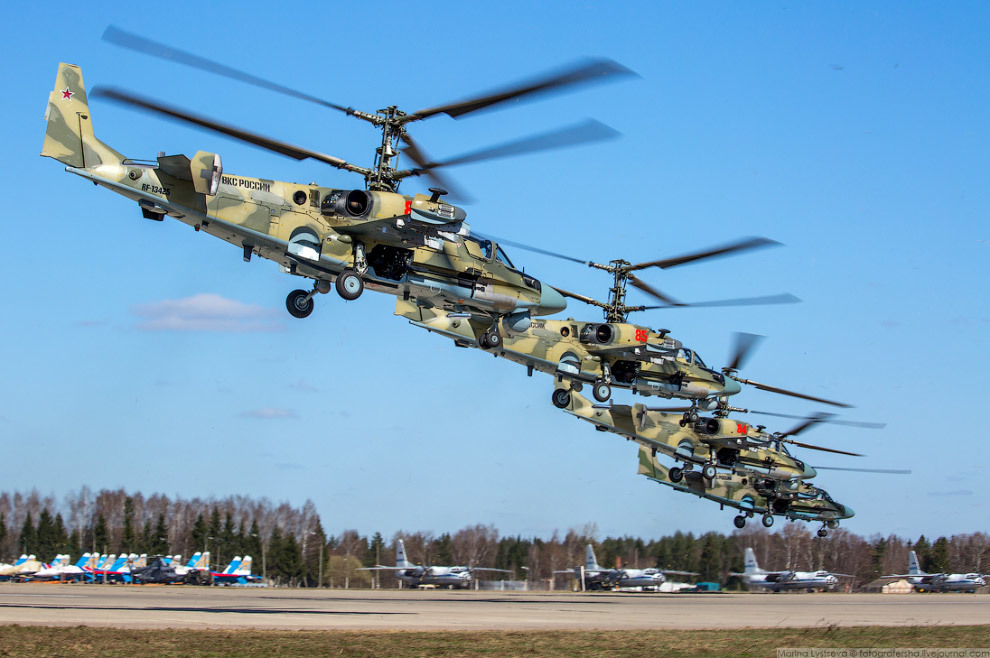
{"x":203,"y":563}
{"x":83,"y":560}
{"x":590,"y":561}
{"x":69,"y":137}
{"x":232,"y":567}
{"x":194,"y":560}
{"x":245,"y":567}
{"x":400,"y":556}
{"x":751,"y":565}
{"x":913,"y":568}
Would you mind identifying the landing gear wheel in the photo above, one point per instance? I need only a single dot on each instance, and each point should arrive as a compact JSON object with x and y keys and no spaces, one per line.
{"x":299,"y":304}
{"x":708,"y":471}
{"x":767,"y":520}
{"x":739,"y":521}
{"x":832,"y":524}
{"x":491,"y":340}
{"x":349,"y":285}
{"x":601,"y":391}
{"x":676,"y":474}
{"x":822,"y":532}
{"x":561,"y":397}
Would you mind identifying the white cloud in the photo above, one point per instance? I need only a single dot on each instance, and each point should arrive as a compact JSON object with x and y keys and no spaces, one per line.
{"x":205,"y":312}
{"x":268,"y":413}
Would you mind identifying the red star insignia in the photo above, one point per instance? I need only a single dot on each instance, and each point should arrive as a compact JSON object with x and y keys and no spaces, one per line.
{"x":67,"y":95}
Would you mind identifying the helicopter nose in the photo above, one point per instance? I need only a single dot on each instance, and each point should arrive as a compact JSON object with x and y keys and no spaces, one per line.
{"x":551,"y":301}
{"x":848,"y":512}
{"x":731,"y":387}
{"x":809,"y":472}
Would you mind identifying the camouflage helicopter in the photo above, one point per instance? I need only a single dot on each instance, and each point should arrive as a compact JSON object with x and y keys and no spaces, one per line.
{"x":711,"y":443}
{"x":417,"y":247}
{"x":793,"y":499}
{"x":644,"y":360}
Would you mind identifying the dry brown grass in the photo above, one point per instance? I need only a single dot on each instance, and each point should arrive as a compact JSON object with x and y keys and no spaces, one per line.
{"x":89,"y":641}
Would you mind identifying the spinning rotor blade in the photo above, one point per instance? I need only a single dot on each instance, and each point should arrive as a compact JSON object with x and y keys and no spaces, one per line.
{"x":537,"y":250}
{"x":602,"y":70}
{"x":284,"y":148}
{"x":833,"y":421}
{"x":808,"y":422}
{"x":670,"y":409}
{"x":650,"y":290}
{"x":725,"y":250}
{"x":581,"y":133}
{"x":864,"y":470}
{"x":785,"y":298}
{"x":416,"y":154}
{"x":155,"y":49}
{"x":793,"y":394}
{"x":814,"y":447}
{"x":580,"y":298}
{"x":744,"y":347}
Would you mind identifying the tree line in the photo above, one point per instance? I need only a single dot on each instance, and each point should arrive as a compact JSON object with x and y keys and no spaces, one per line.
{"x":290,"y":547}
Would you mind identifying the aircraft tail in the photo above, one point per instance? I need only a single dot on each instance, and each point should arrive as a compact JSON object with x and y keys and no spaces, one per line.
{"x":69,"y":137}
{"x":194,"y":560}
{"x":590,"y":561}
{"x":752,"y":567}
{"x":913,"y":568}
{"x":234,"y":564}
{"x":400,"y":556}
{"x":83,"y":560}
{"x":244,"y":569}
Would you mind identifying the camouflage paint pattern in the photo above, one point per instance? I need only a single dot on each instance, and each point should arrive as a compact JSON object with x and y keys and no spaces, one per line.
{"x":795,"y":499}
{"x":634,"y":357}
{"x":422,"y":245}
{"x":732,"y":445}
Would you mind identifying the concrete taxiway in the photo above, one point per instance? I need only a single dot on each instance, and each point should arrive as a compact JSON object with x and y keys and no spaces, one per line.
{"x":230,"y":608}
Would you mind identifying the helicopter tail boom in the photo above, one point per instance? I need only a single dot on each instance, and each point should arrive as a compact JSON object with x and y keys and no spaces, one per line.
{"x":69,"y":137}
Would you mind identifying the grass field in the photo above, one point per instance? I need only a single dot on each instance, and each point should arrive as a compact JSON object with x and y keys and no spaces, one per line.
{"x":89,"y":641}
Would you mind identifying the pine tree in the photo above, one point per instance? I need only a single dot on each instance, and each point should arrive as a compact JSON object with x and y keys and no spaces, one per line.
{"x":291,"y":560}
{"x":199,"y":534}
{"x":29,"y":536}
{"x":923,"y":550}
{"x":127,"y":538}
{"x":225,"y":541}
{"x":443,"y":551}
{"x":47,"y":543}
{"x":159,"y":537}
{"x":274,"y":554}
{"x":940,"y":556}
{"x":375,"y":549}
{"x":101,"y":536}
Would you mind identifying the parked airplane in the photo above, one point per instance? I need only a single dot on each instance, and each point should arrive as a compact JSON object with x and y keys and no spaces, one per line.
{"x":25,"y":565}
{"x":598,"y":577}
{"x":940,"y":582}
{"x":62,"y":570}
{"x":417,"y":575}
{"x":238,"y":572}
{"x":779,"y":581}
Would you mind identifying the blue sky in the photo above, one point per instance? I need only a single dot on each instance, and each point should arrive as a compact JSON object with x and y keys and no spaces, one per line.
{"x":143,"y":355}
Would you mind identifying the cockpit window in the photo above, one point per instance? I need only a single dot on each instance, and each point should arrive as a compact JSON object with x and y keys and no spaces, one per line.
{"x":698,"y":361}
{"x":479,"y":248}
{"x":502,"y":258}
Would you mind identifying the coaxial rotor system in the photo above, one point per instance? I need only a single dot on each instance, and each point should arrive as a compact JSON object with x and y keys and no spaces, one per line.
{"x":384,"y":175}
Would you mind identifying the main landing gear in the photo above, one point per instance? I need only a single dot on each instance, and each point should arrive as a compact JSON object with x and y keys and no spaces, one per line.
{"x":349,"y":285}
{"x":561,"y":398}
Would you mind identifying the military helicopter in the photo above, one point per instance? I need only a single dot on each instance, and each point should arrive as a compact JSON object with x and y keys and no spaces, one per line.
{"x":711,"y":443}
{"x":644,"y":360}
{"x":797,"y":500}
{"x":413,"y":246}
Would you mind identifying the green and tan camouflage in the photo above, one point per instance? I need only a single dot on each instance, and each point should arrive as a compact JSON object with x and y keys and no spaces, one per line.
{"x":713,"y":443}
{"x":795,"y":499}
{"x":626,"y":355}
{"x":416,"y":247}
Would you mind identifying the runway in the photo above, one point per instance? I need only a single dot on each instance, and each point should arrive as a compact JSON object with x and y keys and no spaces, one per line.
{"x":229,"y":608}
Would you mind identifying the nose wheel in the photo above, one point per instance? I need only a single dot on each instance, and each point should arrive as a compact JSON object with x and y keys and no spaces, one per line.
{"x":561,"y":398}
{"x":739,"y":521}
{"x":823,"y":532}
{"x":299,"y":303}
{"x":767,"y":520}
{"x":491,"y":340}
{"x":601,"y":391}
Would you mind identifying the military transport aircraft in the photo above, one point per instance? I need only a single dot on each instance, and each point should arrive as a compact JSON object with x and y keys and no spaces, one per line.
{"x":940,"y":582}
{"x":780,"y":581}
{"x":416,"y":575}
{"x":599,"y":577}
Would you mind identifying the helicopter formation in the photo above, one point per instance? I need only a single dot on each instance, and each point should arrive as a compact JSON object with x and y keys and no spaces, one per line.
{"x":462,"y":285}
